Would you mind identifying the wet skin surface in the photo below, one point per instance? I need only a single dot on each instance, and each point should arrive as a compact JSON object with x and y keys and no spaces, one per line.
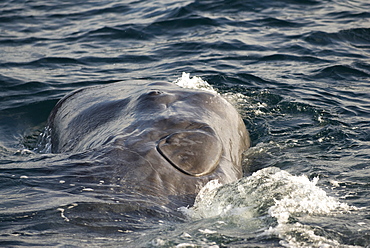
{"x":157,"y":138}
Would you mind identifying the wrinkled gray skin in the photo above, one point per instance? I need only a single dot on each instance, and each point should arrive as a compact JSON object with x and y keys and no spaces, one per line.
{"x":157,"y":138}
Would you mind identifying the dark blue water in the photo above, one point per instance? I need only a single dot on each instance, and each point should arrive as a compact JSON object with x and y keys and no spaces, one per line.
{"x":300,"y":73}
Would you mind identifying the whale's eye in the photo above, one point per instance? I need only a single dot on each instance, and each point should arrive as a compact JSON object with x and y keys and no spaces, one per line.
{"x":154,"y":93}
{"x":195,"y":153}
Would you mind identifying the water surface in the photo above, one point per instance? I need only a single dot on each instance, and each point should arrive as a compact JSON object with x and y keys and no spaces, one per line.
{"x":298,"y":71}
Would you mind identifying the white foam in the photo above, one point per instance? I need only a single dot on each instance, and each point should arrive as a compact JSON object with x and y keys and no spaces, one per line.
{"x":302,"y":196}
{"x":238,"y":100}
{"x":193,"y":83}
{"x":272,"y":194}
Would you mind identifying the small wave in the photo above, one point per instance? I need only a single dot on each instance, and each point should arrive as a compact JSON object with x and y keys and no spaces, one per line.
{"x":45,"y":62}
{"x":355,"y":36}
{"x":191,"y":22}
{"x":87,"y":11}
{"x":341,"y":72}
{"x":275,"y":22}
{"x":285,"y":57}
{"x":125,"y":32}
{"x":183,"y":17}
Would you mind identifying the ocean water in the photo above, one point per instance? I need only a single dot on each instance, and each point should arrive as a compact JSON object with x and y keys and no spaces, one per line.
{"x":297,"y":70}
